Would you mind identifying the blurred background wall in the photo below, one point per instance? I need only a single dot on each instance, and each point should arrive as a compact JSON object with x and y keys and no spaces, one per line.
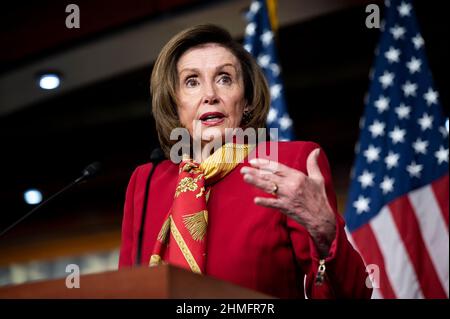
{"x":101,"y":111}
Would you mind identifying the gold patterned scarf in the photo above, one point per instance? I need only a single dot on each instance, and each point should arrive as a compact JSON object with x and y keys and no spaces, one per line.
{"x":182,"y":239}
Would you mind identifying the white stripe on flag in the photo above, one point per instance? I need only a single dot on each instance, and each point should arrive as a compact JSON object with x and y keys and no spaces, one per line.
{"x":350,"y":239}
{"x":433,"y":230}
{"x":399,"y":269}
{"x":376,"y":294}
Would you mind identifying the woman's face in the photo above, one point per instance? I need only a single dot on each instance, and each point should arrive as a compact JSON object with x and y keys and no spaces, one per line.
{"x":210,"y":94}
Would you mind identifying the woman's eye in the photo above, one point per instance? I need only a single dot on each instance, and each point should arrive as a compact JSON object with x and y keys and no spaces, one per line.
{"x":191,"y":82}
{"x":225,"y":79}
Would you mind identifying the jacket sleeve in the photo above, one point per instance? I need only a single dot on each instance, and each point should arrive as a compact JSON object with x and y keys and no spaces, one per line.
{"x":126,"y":247}
{"x":345,"y":274}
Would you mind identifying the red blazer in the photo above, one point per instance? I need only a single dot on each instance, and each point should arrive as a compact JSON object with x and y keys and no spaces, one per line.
{"x":249,"y":245}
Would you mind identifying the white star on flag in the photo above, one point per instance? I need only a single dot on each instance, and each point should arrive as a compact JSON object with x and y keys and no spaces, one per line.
{"x":403,"y":111}
{"x":285,"y":122}
{"x":248,"y":48}
{"x":444,"y":131}
{"x":382,"y":104}
{"x":377,"y":129}
{"x":409,"y":89}
{"x":372,"y":153}
{"x":250,"y":29}
{"x":391,"y":160}
{"x":263,"y":60}
{"x":397,"y":135}
{"x":275,"y":91}
{"x":431,"y":96}
{"x":414,"y":65}
{"x":392,"y":55}
{"x":273,"y":113}
{"x":387,"y":185}
{"x":266,"y":37}
{"x":275,"y":69}
{"x":414,"y":169}
{"x":404,"y":9}
{"x":254,"y":7}
{"x":420,"y":147}
{"x":362,"y":204}
{"x":366,"y":179}
{"x":442,"y":155}
{"x":397,"y":32}
{"x":418,"y":41}
{"x":386,"y":79}
{"x":425,"y":122}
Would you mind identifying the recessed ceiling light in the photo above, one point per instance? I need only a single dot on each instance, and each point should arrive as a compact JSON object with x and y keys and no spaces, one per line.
{"x":32,"y":196}
{"x":49,"y":81}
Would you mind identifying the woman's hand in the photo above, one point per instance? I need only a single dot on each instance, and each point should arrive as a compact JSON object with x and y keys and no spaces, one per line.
{"x":299,"y":196}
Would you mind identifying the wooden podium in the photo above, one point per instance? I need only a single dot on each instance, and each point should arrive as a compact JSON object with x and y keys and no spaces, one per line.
{"x":134,"y":283}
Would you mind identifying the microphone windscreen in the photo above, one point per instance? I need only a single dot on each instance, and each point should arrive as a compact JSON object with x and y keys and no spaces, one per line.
{"x":92,"y":169}
{"x":157,"y":155}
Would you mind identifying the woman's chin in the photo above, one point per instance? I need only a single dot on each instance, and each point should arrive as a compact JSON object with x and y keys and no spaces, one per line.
{"x":212,"y":139}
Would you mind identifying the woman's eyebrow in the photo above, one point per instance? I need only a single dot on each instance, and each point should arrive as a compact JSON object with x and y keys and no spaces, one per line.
{"x":225,"y":65}
{"x":219,"y":67}
{"x":190,"y":70}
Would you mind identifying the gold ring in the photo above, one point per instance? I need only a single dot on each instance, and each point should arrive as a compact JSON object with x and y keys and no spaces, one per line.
{"x":274,"y":189}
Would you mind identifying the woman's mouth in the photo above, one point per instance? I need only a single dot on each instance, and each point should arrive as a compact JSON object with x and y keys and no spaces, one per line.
{"x":212,"y":118}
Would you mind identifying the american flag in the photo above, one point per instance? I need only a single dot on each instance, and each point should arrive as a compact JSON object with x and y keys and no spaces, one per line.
{"x":259,"y":41}
{"x":398,"y":207}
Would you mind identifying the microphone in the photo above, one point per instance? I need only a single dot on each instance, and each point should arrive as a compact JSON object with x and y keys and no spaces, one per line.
{"x":90,"y":171}
{"x":156,"y":157}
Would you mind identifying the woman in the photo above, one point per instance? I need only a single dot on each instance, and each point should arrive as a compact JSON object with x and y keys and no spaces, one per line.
{"x":261,"y":224}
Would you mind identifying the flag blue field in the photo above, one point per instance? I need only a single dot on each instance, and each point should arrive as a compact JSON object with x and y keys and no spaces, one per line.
{"x":259,"y":41}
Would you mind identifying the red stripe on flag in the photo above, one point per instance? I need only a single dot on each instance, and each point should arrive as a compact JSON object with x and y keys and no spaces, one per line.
{"x":408,"y":227}
{"x":440,"y":188}
{"x":368,"y":247}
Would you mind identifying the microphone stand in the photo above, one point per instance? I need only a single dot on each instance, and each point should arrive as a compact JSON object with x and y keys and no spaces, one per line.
{"x":89,"y":171}
{"x":156,"y":157}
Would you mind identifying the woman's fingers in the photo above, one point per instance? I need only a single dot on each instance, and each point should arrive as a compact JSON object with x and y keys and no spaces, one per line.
{"x":270,"y":166}
{"x":261,"y":180}
{"x":312,"y":166}
{"x":259,"y":173}
{"x":269,"y":202}
{"x":271,"y":176}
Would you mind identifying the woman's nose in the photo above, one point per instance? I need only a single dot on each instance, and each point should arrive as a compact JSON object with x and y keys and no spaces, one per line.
{"x":210,"y":95}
